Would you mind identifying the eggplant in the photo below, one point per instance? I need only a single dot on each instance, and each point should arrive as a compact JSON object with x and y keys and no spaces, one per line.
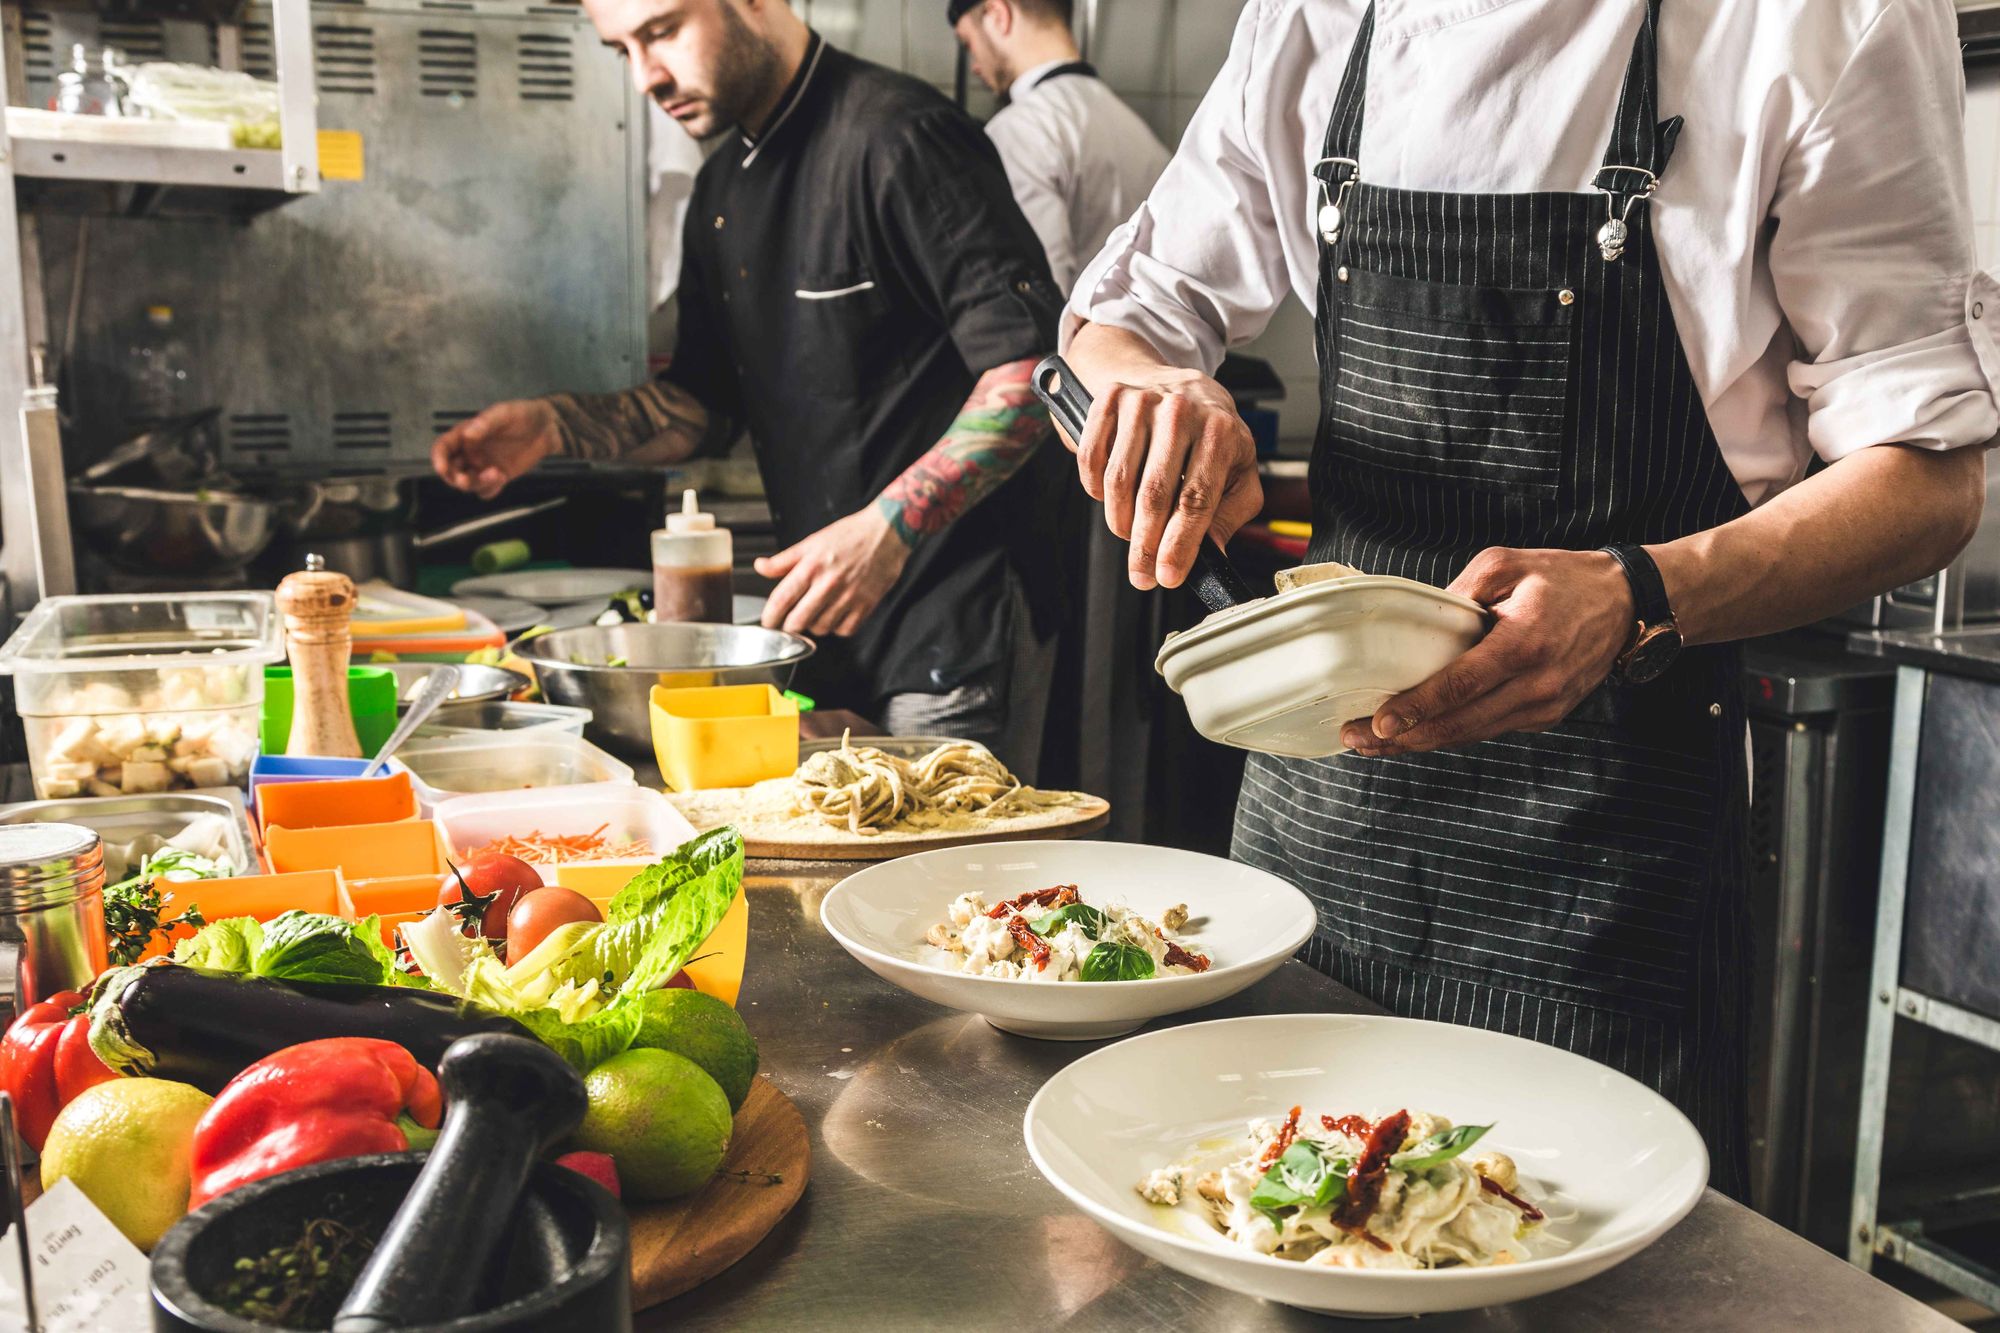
{"x":204,"y":1027}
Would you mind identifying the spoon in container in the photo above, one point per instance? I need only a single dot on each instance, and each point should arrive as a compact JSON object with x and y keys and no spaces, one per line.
{"x":439,"y":686}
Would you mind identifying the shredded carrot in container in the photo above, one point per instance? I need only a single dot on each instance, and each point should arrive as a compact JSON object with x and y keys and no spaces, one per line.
{"x":559,"y":849}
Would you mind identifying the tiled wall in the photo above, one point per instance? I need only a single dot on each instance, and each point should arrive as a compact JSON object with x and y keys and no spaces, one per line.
{"x":1159,"y":55}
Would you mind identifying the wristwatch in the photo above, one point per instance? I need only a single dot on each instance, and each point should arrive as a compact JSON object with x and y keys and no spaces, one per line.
{"x":1656,"y":641}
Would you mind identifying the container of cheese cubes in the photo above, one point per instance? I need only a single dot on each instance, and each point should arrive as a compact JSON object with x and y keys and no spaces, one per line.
{"x":142,"y":693}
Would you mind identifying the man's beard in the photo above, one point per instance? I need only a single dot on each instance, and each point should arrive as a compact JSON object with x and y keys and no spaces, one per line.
{"x":744,"y":71}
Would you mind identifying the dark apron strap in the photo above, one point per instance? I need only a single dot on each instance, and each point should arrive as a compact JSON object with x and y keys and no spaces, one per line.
{"x":1083,"y":67}
{"x":1639,"y":138}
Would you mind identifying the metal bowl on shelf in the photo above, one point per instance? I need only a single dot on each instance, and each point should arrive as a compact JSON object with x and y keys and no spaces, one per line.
{"x":158,"y":532}
{"x":476,"y":684}
{"x":611,"y":669}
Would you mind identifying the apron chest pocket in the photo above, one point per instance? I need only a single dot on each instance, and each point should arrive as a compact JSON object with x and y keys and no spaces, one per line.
{"x":1468,"y":385}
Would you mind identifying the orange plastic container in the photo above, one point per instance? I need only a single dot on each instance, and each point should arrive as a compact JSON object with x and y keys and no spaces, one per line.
{"x":358,"y":851}
{"x":398,"y":900}
{"x":719,"y":959}
{"x":259,"y":896}
{"x":337,"y":802}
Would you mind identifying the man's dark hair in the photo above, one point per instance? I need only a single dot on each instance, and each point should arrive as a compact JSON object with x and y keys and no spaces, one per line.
{"x":1049,"y":9}
{"x":1041,"y":9}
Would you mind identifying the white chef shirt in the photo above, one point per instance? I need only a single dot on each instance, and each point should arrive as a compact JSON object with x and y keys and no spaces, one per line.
{"x":1814,"y":224}
{"x":1079,"y":161}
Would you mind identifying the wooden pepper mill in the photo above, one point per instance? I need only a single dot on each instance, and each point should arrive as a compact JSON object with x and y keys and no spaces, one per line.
{"x":318,"y":605}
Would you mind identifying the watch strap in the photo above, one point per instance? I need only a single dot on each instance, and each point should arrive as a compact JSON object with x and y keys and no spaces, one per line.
{"x":1649,"y":589}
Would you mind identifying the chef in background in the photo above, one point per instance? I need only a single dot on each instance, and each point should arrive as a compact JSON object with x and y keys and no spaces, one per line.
{"x":860,"y":290}
{"x":1079,"y":159}
{"x":1595,"y":283}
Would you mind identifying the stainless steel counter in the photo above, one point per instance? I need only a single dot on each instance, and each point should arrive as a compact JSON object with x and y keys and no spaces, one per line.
{"x":925,"y":1212}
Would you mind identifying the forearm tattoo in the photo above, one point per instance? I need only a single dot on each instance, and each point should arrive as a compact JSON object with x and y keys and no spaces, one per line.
{"x":1001,"y":426}
{"x":654,"y":422}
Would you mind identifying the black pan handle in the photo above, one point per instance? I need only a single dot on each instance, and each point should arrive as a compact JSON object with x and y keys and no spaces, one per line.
{"x":1214,"y":579}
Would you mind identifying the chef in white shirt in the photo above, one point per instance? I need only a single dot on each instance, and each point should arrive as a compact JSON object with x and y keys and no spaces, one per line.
{"x":1079,"y":159}
{"x":1594,"y":281}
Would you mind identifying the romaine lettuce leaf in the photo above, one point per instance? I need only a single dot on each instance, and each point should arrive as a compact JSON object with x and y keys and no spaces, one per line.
{"x":228,"y":945}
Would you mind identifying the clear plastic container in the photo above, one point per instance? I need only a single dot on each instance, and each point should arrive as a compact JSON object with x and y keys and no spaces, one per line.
{"x":638,"y":826}
{"x":460,"y":765}
{"x":124,"y":695}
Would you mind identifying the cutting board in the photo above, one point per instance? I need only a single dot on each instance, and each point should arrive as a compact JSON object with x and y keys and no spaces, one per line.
{"x":680,"y":1245}
{"x":787,"y":840}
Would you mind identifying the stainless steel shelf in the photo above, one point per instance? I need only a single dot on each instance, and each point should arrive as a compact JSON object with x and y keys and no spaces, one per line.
{"x":146,"y":164}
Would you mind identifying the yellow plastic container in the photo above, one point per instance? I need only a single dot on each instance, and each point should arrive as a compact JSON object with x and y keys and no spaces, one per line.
{"x":724,"y":735}
{"x":717,"y":968}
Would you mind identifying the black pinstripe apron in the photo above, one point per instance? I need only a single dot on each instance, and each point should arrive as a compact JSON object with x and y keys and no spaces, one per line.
{"x":1490,"y":378}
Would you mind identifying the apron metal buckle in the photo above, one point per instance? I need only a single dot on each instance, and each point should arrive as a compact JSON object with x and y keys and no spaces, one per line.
{"x":1331,"y":215}
{"x":1617,"y":229}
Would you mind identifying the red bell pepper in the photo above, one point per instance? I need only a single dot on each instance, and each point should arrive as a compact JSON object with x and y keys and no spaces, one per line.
{"x":46,"y":1061}
{"x":314,"y":1102}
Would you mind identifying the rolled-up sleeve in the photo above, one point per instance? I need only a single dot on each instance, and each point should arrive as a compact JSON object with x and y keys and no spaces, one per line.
{"x":1200,"y":267}
{"x":1872,"y":255}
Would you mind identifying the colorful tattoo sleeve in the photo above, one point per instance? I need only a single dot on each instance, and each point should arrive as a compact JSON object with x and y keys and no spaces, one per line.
{"x":1001,"y":426}
{"x":653,"y":423}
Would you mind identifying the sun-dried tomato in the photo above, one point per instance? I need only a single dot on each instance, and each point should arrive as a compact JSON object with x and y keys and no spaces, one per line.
{"x":1365,"y":1177}
{"x":1354,"y":1125}
{"x":1287,"y":1132}
{"x":1062,"y":895}
{"x":1024,"y":935}
{"x":1179,"y":957}
{"x":1528,"y":1210}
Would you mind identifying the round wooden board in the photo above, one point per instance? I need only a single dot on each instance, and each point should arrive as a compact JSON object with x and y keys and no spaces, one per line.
{"x":680,"y":1245}
{"x":760,"y":842}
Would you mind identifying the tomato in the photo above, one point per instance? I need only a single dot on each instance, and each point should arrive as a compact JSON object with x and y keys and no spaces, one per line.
{"x":679,"y":981}
{"x":537,"y":915}
{"x":485,"y":889}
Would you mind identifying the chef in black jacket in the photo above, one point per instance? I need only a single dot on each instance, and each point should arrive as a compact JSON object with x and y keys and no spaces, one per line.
{"x":860,"y":290}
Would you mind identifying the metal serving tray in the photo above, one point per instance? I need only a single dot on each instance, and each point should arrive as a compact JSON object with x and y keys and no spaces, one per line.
{"x":120,"y":819}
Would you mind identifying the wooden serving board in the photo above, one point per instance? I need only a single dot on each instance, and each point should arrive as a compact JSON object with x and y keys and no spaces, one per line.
{"x":791,"y":840}
{"x":680,"y":1245}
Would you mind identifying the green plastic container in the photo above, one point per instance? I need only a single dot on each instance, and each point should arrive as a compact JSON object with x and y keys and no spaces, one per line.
{"x":371,"y":698}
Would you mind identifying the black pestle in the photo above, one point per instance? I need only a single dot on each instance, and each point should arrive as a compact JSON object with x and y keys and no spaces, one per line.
{"x":506,"y":1100}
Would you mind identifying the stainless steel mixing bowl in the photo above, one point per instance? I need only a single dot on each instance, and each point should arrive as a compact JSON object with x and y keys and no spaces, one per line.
{"x":574,"y":667}
{"x":476,"y":684}
{"x":199,"y":533}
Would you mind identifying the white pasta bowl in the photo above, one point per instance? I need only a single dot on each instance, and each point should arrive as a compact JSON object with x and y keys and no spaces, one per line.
{"x":1611,"y":1161}
{"x":1247,"y":921}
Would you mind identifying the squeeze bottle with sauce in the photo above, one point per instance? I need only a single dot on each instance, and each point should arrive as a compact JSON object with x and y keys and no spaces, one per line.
{"x":691,"y":563}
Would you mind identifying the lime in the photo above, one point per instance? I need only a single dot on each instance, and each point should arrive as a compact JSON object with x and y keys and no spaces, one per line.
{"x":662,"y":1119}
{"x":706,"y":1031}
{"x":126,"y":1144}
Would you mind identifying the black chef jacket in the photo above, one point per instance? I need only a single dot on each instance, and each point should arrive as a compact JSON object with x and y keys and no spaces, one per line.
{"x":847,"y":276}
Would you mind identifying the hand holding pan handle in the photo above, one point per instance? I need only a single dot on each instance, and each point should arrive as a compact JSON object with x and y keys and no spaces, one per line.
{"x":1214,"y":579}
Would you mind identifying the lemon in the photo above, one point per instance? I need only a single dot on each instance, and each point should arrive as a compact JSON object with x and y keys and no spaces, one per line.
{"x":126,"y":1144}
{"x":663,"y":1120}
{"x":706,"y":1031}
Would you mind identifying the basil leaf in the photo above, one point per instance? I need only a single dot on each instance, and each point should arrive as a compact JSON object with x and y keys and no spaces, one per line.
{"x":1116,"y":962}
{"x":1333,"y":1186}
{"x":1094,"y":922}
{"x":1302,"y":1178}
{"x":1439,"y":1148}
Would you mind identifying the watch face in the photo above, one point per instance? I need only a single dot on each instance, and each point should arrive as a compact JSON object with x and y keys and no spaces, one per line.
{"x":1655,"y":651}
